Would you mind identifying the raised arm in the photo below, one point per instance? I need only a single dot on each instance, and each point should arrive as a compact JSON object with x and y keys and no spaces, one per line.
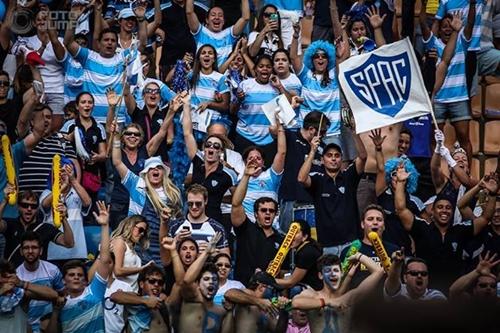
{"x":169,"y":244}
{"x":303,"y":176}
{"x":142,"y":29}
{"x":187,"y":128}
{"x":368,"y":284}
{"x":392,"y":283}
{"x":239,"y":26}
{"x":378,"y":140}
{"x":438,"y":178}
{"x":58,"y":48}
{"x":376,"y":21}
{"x":279,"y":159}
{"x":105,"y":258}
{"x":426,"y":32}
{"x":155,"y":142}
{"x":405,"y":215}
{"x":192,"y":19}
{"x":360,"y":161}
{"x":238,"y":215}
{"x":69,"y":37}
{"x":153,"y":26}
{"x":5,"y":32}
{"x":336,"y":25}
{"x":471,"y":17}
{"x":116,"y":155}
{"x":65,"y":239}
{"x":294,"y":49}
{"x":465,"y":200}
{"x":75,"y":184}
{"x":479,"y":223}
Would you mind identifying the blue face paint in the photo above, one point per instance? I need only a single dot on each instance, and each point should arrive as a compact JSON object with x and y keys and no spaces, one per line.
{"x":332,"y":276}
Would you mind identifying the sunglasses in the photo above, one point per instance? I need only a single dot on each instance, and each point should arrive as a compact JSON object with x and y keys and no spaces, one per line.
{"x":155,"y":281}
{"x":141,"y":230}
{"x":151,"y":91}
{"x":486,"y":285}
{"x":4,"y":83}
{"x":319,"y":56}
{"x":220,"y":265}
{"x":28,"y":205}
{"x":267,"y":210}
{"x":214,"y":145}
{"x":195,"y":203}
{"x":417,"y":273}
{"x":136,"y":134}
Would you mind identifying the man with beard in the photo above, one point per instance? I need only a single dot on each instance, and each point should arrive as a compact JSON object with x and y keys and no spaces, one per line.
{"x":441,"y":243}
{"x":199,"y":314}
{"x":415,"y":277}
{"x":483,"y":282}
{"x":39,"y":272}
{"x":83,"y":309}
{"x":334,"y":194}
{"x":255,"y":312}
{"x":147,"y":311}
{"x":327,"y":309}
{"x":14,"y":230}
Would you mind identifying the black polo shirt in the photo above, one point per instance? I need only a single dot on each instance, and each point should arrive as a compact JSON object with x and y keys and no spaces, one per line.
{"x":9,"y":114}
{"x":217,"y":183}
{"x":337,"y":217}
{"x":487,"y":241}
{"x":306,"y":258}
{"x":443,"y":254}
{"x":254,"y":250}
{"x":15,"y":231}
{"x":394,"y":231}
{"x":297,"y":150}
{"x":151,"y":126}
{"x":369,"y":251}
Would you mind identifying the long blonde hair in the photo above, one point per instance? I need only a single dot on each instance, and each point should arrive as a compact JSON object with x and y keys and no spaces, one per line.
{"x":171,"y":191}
{"x":126,"y":227}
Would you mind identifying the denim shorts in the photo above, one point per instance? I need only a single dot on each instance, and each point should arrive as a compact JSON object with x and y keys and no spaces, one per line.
{"x":454,"y":111}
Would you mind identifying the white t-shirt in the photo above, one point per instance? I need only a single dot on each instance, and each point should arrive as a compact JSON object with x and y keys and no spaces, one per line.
{"x":113,"y":312}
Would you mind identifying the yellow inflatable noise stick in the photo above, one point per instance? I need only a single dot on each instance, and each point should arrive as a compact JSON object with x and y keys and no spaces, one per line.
{"x":56,"y":189}
{"x":275,"y":264}
{"x":9,"y":168}
{"x":385,"y":261}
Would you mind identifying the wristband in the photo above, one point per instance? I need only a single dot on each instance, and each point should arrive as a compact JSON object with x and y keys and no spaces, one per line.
{"x":378,"y":148}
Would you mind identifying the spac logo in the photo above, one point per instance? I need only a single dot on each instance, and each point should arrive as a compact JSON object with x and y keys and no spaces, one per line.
{"x":382,"y":83}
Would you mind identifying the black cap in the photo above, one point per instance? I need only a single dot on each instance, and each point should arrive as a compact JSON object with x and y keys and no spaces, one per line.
{"x":332,"y":146}
{"x":265,"y":278}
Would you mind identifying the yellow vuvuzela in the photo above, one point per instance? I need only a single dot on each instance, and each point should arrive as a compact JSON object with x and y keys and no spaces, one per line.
{"x":9,"y":168}
{"x":56,"y":189}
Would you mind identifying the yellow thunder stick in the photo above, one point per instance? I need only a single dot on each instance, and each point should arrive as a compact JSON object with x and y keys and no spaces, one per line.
{"x":9,"y":168}
{"x":275,"y":264}
{"x":385,"y":261}
{"x":56,"y":189}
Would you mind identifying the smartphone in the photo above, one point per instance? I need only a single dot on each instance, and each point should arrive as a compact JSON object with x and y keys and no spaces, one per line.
{"x":273,"y":17}
{"x":186,"y":228}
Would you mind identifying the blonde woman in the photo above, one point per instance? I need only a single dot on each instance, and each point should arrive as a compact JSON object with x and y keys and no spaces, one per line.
{"x":131,"y":232}
{"x":151,"y":192}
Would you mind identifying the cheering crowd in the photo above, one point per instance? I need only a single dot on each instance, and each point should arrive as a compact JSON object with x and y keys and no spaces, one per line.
{"x":146,"y":186}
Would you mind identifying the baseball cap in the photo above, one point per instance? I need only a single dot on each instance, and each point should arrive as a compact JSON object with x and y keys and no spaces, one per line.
{"x":153,"y":162}
{"x":126,"y":13}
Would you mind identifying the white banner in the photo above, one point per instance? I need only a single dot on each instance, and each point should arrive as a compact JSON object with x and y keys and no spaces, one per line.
{"x":384,"y":87}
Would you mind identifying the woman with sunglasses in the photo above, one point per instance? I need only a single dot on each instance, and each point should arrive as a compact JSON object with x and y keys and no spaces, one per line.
{"x":209,"y":90}
{"x":318,"y":75}
{"x":223,"y":263}
{"x":209,"y":169}
{"x":130,"y":234}
{"x":266,"y":38}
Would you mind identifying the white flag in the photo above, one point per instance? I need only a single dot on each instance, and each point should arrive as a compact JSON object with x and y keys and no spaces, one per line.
{"x":384,"y":87}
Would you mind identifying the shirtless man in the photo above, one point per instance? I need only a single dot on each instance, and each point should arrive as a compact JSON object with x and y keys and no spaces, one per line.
{"x":327,"y":308}
{"x":255,"y":312}
{"x":199,"y":314}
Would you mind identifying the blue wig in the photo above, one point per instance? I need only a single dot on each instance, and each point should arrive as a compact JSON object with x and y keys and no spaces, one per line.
{"x":323,"y":45}
{"x":393,"y":163}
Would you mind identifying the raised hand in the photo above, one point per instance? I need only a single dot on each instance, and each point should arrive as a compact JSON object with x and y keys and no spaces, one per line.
{"x":439,"y":137}
{"x":486,"y":264}
{"x":140,"y":9}
{"x":212,"y":244}
{"x":111,"y":96}
{"x":377,"y":138}
{"x":103,"y":217}
{"x":491,"y":183}
{"x":401,"y":173}
{"x":251,"y":169}
{"x":456,"y":22}
{"x":399,"y":255}
{"x":315,"y":142}
{"x":169,"y":243}
{"x":373,"y":15}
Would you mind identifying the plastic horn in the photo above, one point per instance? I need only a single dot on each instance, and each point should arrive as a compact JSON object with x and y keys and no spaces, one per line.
{"x":275,"y":264}
{"x":9,"y":168}
{"x":353,"y":249}
{"x":368,"y":44}
{"x":56,"y":189}
{"x":385,"y":261}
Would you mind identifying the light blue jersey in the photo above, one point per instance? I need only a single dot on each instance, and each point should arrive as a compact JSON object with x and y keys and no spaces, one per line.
{"x":265,"y":185}
{"x":286,"y":4}
{"x":73,"y":78}
{"x":85,"y":313}
{"x":451,"y":6}
{"x":253,"y":124}
{"x":454,"y":88}
{"x":205,"y":90}
{"x":101,"y":73}
{"x":222,"y":41}
{"x":139,"y":318}
{"x":47,"y":275}
{"x":319,"y":98}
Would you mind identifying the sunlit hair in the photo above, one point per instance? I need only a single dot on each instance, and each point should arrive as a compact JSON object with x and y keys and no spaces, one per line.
{"x":393,"y":163}
{"x":137,"y":127}
{"x":171,"y":191}
{"x":126,"y":228}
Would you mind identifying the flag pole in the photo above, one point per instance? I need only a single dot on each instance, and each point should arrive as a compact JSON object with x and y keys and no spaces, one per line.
{"x":320,"y":123}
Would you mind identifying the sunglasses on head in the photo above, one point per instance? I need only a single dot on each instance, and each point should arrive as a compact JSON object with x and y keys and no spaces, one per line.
{"x":417,"y":273}
{"x":220,"y":265}
{"x":267,"y":210}
{"x":195,"y":203}
{"x":136,"y":134}
{"x":28,"y":205}
{"x":214,"y":145}
{"x":484,"y":285}
{"x":4,"y":83}
{"x":153,"y":91}
{"x":141,"y":230}
{"x":155,"y":281}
